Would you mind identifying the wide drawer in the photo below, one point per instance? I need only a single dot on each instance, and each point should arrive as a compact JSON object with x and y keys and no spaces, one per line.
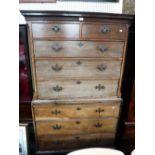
{"x":104,"y":31}
{"x":55,"y":30}
{"x":78,"y":49}
{"x":95,"y":110}
{"x":57,"y":89}
{"x":61,"y":142}
{"x":76,"y":126}
{"x":105,"y":69}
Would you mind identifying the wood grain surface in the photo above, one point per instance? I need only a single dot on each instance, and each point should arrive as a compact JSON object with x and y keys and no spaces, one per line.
{"x":86,"y":49}
{"x":78,"y":126}
{"x":95,"y":110}
{"x":55,"y":30}
{"x":104,"y":31}
{"x":67,"y":89}
{"x":93,"y":69}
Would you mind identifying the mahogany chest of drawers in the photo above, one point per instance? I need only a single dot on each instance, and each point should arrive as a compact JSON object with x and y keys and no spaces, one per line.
{"x":77,"y":61}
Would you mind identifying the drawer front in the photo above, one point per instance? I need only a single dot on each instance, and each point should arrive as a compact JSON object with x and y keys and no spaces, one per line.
{"x":78,"y":49}
{"x":48,"y":69}
{"x":75,"y":141}
{"x":95,"y":110}
{"x":57,"y":89}
{"x":79,"y":126}
{"x":55,"y":30}
{"x":104,"y":31}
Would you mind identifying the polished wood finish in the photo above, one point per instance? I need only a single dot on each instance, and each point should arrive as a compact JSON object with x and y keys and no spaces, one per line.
{"x":104,"y":31}
{"x":31,"y":53}
{"x":75,"y":141}
{"x":91,"y":49}
{"x":69,"y":66}
{"x":86,"y":110}
{"x":55,"y":30}
{"x":48,"y":22}
{"x":63,"y":89}
{"x":48,"y":69}
{"x":77,"y":126}
{"x":37,"y":14}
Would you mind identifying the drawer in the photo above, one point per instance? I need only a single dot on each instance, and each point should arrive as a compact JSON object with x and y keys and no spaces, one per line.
{"x":57,"y":89}
{"x":104,"y":31}
{"x":105,"y":69}
{"x":76,"y":126}
{"x":78,"y":49}
{"x":55,"y":30}
{"x":95,"y":110}
{"x":50,"y":142}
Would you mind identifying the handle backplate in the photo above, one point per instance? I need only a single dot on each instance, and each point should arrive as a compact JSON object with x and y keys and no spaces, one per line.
{"x":104,"y":29}
{"x":57,"y":68}
{"x":56,"y":127}
{"x":56,"y":28}
{"x":57,"y":88}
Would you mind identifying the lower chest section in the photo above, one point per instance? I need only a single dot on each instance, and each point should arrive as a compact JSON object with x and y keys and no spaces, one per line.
{"x":65,"y":126}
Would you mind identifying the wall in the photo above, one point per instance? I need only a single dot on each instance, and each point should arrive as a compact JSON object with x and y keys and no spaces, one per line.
{"x":125,"y":6}
{"x":129,"y":6}
{"x":107,"y":7}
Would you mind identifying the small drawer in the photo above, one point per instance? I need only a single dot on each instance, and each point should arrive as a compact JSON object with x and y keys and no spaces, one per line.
{"x":104,"y":31}
{"x":92,"y":49}
{"x":95,"y":110}
{"x":76,"y":126}
{"x":55,"y":30}
{"x":59,"y":142}
{"x":70,"y":89}
{"x":105,"y":69}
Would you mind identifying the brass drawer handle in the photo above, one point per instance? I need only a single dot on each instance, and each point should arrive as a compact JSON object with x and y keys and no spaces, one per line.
{"x":98,"y":125}
{"x":56,"y":47}
{"x":104,"y":29}
{"x":99,"y":110}
{"x":57,"y":88}
{"x":77,"y":138}
{"x":101,"y":67}
{"x":78,"y":82}
{"x":102,"y":49}
{"x":80,"y":44}
{"x":57,"y":68}
{"x":79,"y":62}
{"x":78,"y":108}
{"x":56,"y":112}
{"x":56,"y":127}
{"x":57,"y":142}
{"x":56,"y":28}
{"x":97,"y":140}
{"x":77,"y":122}
{"x":100,"y":87}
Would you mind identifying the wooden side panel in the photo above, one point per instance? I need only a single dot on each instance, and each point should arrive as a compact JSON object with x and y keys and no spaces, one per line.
{"x":31,"y":53}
